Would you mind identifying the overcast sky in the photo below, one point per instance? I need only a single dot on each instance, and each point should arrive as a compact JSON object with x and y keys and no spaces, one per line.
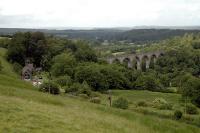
{"x":98,"y":13}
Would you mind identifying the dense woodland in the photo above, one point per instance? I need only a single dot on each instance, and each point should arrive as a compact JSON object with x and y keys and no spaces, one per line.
{"x":75,"y":66}
{"x":97,"y":36}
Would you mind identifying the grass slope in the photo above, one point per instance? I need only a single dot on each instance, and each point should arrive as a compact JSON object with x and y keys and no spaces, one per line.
{"x":146,"y":95}
{"x":24,"y":109}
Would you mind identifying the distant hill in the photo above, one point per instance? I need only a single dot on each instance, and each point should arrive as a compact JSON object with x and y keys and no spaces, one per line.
{"x":143,"y":35}
{"x":168,"y":27}
{"x":137,"y":34}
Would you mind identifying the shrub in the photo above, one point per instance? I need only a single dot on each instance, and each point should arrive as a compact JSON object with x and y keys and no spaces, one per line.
{"x":85,"y":89}
{"x":178,"y":114}
{"x":191,"y":109}
{"x":95,"y":100}
{"x":50,"y":87}
{"x":77,"y":88}
{"x":161,"y":103}
{"x":73,"y":89}
{"x":66,"y":88}
{"x":142,"y":103}
{"x":64,"y":81}
{"x":121,"y":103}
{"x":148,"y":82}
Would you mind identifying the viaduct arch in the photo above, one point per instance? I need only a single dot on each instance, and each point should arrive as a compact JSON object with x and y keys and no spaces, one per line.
{"x":136,"y":60}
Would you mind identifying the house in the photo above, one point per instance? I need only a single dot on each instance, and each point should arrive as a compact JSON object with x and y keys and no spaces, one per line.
{"x":29,"y":69}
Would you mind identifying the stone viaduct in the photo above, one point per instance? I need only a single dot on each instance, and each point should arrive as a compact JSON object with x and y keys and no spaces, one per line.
{"x":135,"y":60}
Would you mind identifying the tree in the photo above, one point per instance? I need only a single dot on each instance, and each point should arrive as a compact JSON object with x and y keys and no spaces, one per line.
{"x":191,"y":89}
{"x":50,"y":87}
{"x":102,"y":76}
{"x":196,"y":45}
{"x":84,"y":53}
{"x":177,"y":62}
{"x":148,"y":82}
{"x":27,"y":45}
{"x":114,"y":76}
{"x":90,"y":73}
{"x":85,"y":89}
{"x":64,"y":80}
{"x":4,"y":42}
{"x":16,"y":50}
{"x":63,"y":64}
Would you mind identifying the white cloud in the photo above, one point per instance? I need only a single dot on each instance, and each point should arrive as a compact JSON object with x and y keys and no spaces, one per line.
{"x":98,"y":13}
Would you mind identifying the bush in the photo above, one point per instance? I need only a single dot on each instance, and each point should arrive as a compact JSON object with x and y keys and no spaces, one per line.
{"x":73,"y":89}
{"x":191,"y":109}
{"x":85,"y":89}
{"x":51,"y":87}
{"x":142,"y":104}
{"x":77,"y":88}
{"x":64,"y":81}
{"x":161,"y":103}
{"x":121,"y":103}
{"x":178,"y":114}
{"x":95,"y":100}
{"x":148,"y":82}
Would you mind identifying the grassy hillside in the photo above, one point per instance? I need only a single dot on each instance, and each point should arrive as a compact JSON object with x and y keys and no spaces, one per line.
{"x":24,"y":109}
{"x":146,"y":95}
{"x":134,"y":97}
{"x":7,"y":67}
